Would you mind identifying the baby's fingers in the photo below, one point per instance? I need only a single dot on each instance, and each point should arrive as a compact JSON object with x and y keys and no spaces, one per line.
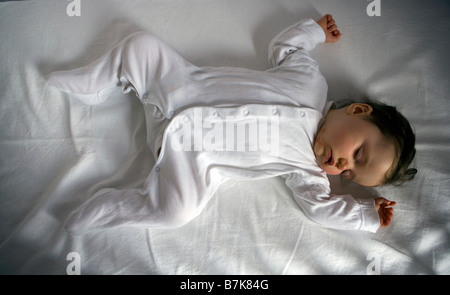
{"x":392,"y":203}
{"x":332,"y":28}
{"x":389,"y":212}
{"x":387,"y":216}
{"x":337,"y":33}
{"x":330,"y":23}
{"x":384,"y":202}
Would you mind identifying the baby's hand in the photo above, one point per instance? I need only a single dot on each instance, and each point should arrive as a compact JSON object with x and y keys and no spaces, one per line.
{"x":385,"y":211}
{"x":329,"y":26}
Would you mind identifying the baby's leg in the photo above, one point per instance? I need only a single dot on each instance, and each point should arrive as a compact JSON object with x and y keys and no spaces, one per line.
{"x":136,"y":63}
{"x":170,"y":198}
{"x":111,"y":208}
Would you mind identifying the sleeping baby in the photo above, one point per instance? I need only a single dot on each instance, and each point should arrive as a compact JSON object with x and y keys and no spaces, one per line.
{"x":209,"y":125}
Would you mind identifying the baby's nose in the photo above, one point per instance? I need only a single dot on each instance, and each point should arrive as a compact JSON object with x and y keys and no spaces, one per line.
{"x":343,"y":164}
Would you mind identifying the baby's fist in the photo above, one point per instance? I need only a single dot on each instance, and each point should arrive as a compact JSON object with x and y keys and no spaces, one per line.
{"x":328,"y":25}
{"x":385,"y":211}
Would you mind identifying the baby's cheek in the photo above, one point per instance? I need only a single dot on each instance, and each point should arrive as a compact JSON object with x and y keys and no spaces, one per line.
{"x":317,"y":148}
{"x":343,"y":143}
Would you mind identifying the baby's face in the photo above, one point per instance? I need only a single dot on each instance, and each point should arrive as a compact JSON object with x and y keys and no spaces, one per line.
{"x":350,"y":145}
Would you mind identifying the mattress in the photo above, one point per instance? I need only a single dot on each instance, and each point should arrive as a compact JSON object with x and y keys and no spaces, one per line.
{"x":55,"y":152}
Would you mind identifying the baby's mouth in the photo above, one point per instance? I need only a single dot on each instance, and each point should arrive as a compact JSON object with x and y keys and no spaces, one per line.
{"x":329,"y":158}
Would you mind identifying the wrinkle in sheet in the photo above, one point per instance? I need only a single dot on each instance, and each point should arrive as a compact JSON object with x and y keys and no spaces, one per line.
{"x":151,"y":252}
{"x":294,"y":251}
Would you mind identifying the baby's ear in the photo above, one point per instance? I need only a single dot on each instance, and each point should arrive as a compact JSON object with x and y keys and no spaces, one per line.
{"x":359,"y":109}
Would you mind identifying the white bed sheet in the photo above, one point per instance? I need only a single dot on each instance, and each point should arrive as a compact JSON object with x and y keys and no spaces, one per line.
{"x":55,"y":152}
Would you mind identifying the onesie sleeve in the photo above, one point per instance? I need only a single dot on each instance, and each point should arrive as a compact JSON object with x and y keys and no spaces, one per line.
{"x":300,"y":37}
{"x":341,"y":212}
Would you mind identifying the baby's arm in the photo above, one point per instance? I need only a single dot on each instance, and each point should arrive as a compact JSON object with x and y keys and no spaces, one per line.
{"x":341,"y":212}
{"x":385,"y":211}
{"x":302,"y":37}
{"x":299,"y":38}
{"x":328,"y":25}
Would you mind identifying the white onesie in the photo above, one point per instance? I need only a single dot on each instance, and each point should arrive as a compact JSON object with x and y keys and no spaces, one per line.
{"x":208,"y":125}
